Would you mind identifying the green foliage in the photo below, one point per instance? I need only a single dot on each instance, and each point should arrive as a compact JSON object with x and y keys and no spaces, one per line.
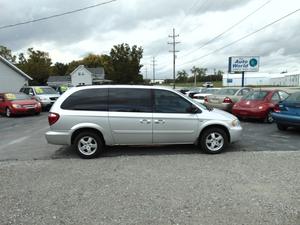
{"x":37,"y":65}
{"x":59,"y":69}
{"x":182,"y":76}
{"x":6,"y":54}
{"x":126,"y":64}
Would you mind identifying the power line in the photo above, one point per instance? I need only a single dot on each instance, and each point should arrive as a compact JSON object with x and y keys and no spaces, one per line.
{"x":243,"y":37}
{"x":56,"y":15}
{"x":228,"y":29}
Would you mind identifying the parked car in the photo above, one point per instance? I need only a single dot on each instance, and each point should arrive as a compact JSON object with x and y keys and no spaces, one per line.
{"x":184,"y":90}
{"x":136,"y":115}
{"x":209,"y":91}
{"x":18,"y":103}
{"x":61,"y":89}
{"x":287,"y":113}
{"x":195,"y":90}
{"x":225,"y":98}
{"x":259,"y":104}
{"x":44,"y":94}
{"x":208,"y":84}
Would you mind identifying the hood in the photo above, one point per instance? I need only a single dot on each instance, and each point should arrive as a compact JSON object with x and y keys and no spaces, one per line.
{"x":221,"y":114}
{"x":24,"y":102}
{"x":48,"y":95}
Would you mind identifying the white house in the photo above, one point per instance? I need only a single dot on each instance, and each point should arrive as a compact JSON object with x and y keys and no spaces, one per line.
{"x":11,"y":77}
{"x":287,"y":79}
{"x":87,"y":76}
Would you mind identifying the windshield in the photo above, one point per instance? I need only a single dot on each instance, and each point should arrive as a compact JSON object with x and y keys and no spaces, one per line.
{"x":16,"y":96}
{"x":227,"y":91}
{"x":293,"y":98}
{"x":256,"y":95}
{"x":44,"y":90}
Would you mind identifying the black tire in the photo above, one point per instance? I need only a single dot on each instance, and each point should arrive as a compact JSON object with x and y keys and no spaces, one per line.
{"x":8,"y":112}
{"x":213,"y":140}
{"x":281,"y":127}
{"x":269,"y":118}
{"x":37,"y":113}
{"x":91,"y":144}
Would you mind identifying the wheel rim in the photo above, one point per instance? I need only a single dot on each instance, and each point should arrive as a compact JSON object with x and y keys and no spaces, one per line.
{"x":87,"y":145}
{"x":270,"y":118}
{"x":214,"y":141}
{"x":8,"y":114}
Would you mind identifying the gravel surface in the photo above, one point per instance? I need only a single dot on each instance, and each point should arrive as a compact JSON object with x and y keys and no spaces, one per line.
{"x":233,"y":188}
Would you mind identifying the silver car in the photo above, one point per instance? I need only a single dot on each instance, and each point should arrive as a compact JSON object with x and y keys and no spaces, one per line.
{"x":92,"y":117}
{"x":44,"y":94}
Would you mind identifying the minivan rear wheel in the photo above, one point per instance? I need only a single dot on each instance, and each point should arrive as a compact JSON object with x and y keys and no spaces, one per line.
{"x":213,"y":140}
{"x":88,"y":145}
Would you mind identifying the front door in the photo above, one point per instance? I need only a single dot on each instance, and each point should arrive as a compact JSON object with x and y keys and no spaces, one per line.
{"x":172,"y":121}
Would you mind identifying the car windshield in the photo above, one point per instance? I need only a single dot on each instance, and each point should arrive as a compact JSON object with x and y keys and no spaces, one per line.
{"x":293,"y":98}
{"x":256,"y":95}
{"x":16,"y":96}
{"x":44,"y":90}
{"x":227,"y":91}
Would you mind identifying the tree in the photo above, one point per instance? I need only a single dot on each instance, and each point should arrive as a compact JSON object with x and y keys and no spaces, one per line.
{"x":37,"y":65}
{"x":182,"y":76}
{"x":198,"y":73}
{"x":126,"y":64}
{"x":59,"y":69}
{"x":6,"y":54}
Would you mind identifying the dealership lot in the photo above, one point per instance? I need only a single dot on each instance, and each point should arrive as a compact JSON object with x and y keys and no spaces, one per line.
{"x":255,"y":182}
{"x":22,"y":138}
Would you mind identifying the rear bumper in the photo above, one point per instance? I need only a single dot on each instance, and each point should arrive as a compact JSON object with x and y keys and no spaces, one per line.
{"x":235,"y":133}
{"x":58,"y":137}
{"x":249,"y":113}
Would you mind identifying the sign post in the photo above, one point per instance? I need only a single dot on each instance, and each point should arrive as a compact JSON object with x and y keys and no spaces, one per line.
{"x":242,"y":64}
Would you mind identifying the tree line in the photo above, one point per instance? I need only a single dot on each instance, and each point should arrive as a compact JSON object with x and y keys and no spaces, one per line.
{"x":122,"y":65}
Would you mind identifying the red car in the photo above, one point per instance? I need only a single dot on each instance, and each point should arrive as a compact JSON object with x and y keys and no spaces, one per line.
{"x":259,"y":104}
{"x":18,"y":103}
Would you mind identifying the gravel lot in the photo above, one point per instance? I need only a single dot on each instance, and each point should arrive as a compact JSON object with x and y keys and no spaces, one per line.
{"x":257,"y":181}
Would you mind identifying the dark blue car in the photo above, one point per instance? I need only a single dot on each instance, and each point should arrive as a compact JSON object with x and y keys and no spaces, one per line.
{"x":287,"y":113}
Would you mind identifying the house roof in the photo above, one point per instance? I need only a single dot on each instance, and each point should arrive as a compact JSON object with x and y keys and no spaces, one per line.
{"x":96,"y":71}
{"x":59,"y":79}
{"x":12,"y":66}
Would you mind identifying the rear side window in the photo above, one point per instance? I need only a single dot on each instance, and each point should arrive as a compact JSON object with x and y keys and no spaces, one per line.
{"x":89,"y":99}
{"x":130,"y":100}
{"x":256,"y":95}
{"x":169,"y":102}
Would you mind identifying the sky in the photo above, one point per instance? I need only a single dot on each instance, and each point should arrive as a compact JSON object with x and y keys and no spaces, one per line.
{"x":149,"y":24}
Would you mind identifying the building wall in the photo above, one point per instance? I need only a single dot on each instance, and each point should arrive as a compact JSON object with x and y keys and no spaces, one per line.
{"x":10,"y":80}
{"x":81,"y":76}
{"x":236,"y":80}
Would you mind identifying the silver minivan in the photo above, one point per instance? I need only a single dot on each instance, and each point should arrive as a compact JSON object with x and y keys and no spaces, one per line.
{"x":92,"y":117}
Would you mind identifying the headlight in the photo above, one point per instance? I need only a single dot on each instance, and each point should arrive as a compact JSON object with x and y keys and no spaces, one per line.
{"x":17,"y":106}
{"x":235,"y":123}
{"x":260,"y":107}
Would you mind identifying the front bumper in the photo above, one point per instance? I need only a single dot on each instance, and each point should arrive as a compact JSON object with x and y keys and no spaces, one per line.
{"x":58,"y":137}
{"x":235,"y":133}
{"x":25,"y":110}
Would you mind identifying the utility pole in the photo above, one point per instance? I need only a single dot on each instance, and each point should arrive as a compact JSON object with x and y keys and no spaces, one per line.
{"x":153,"y":66}
{"x":174,"y":42}
{"x":146,"y":73}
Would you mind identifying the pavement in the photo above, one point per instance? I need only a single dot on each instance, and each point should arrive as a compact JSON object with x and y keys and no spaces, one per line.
{"x":256,"y":181}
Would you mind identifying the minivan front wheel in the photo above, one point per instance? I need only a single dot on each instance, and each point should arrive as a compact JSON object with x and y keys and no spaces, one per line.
{"x":213,"y":140}
{"x":88,"y":145}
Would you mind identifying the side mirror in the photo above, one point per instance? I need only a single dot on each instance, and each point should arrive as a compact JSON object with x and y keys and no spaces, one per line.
{"x":193,"y":109}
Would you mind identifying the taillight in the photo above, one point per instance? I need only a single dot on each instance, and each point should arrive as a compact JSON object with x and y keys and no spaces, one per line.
{"x":52,"y":118}
{"x":276,"y":108}
{"x":227,"y":100}
{"x":205,"y":99}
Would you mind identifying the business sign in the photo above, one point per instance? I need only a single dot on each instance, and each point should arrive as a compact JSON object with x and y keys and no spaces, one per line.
{"x":243,"y":64}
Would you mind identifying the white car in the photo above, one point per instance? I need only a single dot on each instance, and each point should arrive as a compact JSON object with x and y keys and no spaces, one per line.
{"x":201,"y":96}
{"x":208,"y":84}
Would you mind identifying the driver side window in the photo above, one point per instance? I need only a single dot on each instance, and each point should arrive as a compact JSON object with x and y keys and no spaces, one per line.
{"x":275,"y":97}
{"x":169,"y":102}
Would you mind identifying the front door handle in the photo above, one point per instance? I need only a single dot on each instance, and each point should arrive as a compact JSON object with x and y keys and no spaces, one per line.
{"x":145,"y":121}
{"x":159,"y":121}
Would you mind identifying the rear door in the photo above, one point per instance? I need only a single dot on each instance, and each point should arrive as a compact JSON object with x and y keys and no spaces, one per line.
{"x":130,"y":115}
{"x":172,"y":123}
{"x":2,"y":103}
{"x":291,"y":105}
